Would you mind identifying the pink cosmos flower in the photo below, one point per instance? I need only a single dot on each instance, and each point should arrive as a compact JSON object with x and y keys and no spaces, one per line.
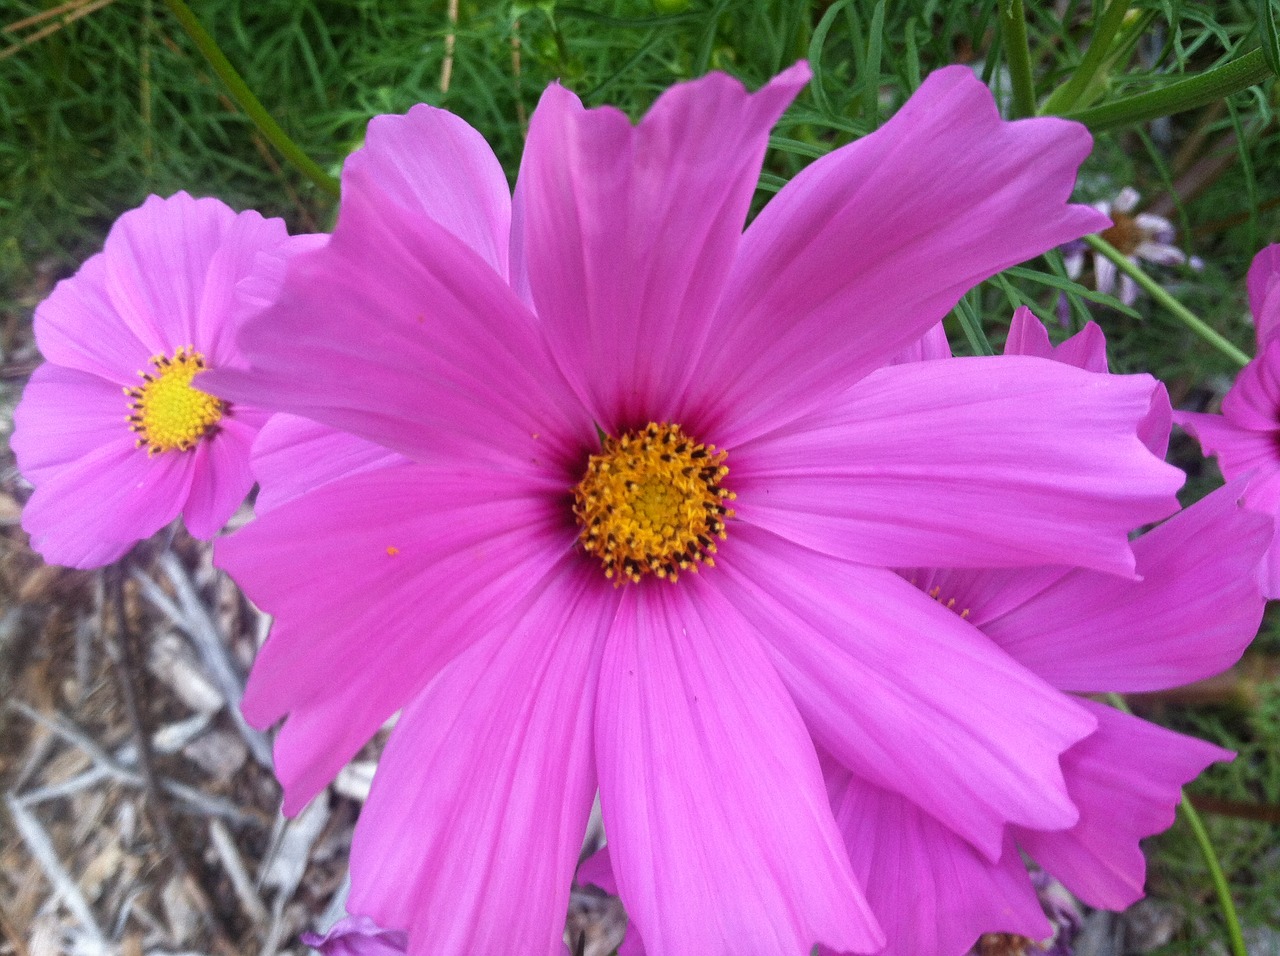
{"x":584,"y":395}
{"x":1191,"y":615}
{"x":1245,"y":438}
{"x":110,"y":430}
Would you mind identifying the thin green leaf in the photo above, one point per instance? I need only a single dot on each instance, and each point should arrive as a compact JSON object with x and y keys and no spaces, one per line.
{"x":1269,"y":34}
{"x":1072,"y":288}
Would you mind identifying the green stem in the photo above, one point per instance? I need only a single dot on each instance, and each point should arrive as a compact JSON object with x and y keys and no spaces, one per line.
{"x":1161,"y":295}
{"x":1018,"y":55}
{"x":1067,"y":95}
{"x":1219,"y":879}
{"x":1220,"y":887}
{"x":1239,"y":74}
{"x":245,"y":99}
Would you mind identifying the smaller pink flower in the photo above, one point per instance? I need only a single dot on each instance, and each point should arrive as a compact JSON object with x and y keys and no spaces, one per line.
{"x":1245,"y":438}
{"x":113,"y":430}
{"x":1140,"y":236}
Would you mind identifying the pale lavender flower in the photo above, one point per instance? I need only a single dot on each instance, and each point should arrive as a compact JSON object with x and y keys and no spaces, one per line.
{"x":1140,"y":236}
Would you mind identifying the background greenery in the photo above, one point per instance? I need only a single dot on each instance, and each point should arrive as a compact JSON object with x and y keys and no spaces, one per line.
{"x":115,"y":103}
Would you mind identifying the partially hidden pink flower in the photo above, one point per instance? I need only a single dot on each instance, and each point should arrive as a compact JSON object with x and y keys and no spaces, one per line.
{"x":1193,"y":611}
{"x":1245,"y":438}
{"x":111,"y":430}
{"x":563,"y":405}
{"x":1191,"y":615}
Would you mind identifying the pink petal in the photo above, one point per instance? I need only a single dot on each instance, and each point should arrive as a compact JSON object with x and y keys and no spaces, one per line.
{"x":91,"y":511}
{"x":398,"y":332}
{"x":871,"y":245}
{"x":157,"y":257}
{"x":357,"y":936}
{"x":1128,"y":290}
{"x":1087,"y":349}
{"x":65,"y":415}
{"x":932,"y":345}
{"x":1240,"y":452}
{"x":1264,"y":292}
{"x":1195,"y":609}
{"x":1254,"y":399}
{"x":416,"y":563}
{"x":962,"y":463}
{"x":472,"y":830}
{"x":903,"y":692}
{"x":221,"y":478}
{"x":981,"y":594}
{"x":597,"y":870}
{"x":434,"y":164}
{"x":169,"y":275}
{"x":933,"y":893}
{"x":1126,"y":779}
{"x":222,"y":307}
{"x":260,"y":287}
{"x":711,"y":790}
{"x":78,"y":327}
{"x":1161,"y":253}
{"x":1105,"y":274}
{"x":293,"y":455}
{"x":629,"y":232}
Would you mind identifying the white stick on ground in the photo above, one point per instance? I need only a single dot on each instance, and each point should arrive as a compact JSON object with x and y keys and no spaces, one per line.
{"x":42,"y":851}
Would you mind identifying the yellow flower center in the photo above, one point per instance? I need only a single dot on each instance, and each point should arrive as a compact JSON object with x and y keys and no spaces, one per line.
{"x":651,"y":503}
{"x":166,"y":412}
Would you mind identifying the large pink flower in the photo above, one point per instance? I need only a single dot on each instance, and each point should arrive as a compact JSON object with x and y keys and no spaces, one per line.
{"x":608,"y":373}
{"x":110,"y":430}
{"x":1245,"y":438}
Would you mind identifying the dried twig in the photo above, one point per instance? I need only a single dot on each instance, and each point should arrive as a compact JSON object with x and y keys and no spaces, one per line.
{"x":18,"y":26}
{"x":192,"y":617}
{"x":450,"y":38}
{"x":42,"y":851}
{"x":521,"y":116}
{"x":81,"y":10}
{"x":118,"y":769}
{"x":336,"y":908}
{"x":241,"y":882}
{"x":285,"y":866}
{"x":11,"y":934}
{"x":65,"y":788}
{"x":120,"y":651}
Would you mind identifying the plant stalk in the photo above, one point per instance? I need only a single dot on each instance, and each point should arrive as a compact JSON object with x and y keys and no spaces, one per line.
{"x":1018,"y":56}
{"x":1161,"y":295}
{"x":245,"y":99}
{"x":1239,"y":74}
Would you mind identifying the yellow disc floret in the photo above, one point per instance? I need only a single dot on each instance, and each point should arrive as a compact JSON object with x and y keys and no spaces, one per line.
{"x":651,"y":502}
{"x":166,"y":411}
